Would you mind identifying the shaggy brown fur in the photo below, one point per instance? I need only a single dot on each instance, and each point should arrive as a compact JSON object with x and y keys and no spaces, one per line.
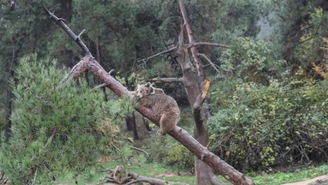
{"x":163,"y":105}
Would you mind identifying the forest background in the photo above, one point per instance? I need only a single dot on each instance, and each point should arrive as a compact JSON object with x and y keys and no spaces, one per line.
{"x":268,"y":98}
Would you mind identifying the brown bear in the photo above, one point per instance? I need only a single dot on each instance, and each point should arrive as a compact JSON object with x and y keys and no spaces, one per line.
{"x":161,"y":104}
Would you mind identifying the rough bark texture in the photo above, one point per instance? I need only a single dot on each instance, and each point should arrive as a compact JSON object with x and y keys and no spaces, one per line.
{"x":204,"y":174}
{"x":88,"y":63}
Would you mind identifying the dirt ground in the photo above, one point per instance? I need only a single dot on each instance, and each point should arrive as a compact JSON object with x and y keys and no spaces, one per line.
{"x":322,"y":180}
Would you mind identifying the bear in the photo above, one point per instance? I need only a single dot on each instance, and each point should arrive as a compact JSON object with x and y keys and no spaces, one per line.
{"x":161,"y":104}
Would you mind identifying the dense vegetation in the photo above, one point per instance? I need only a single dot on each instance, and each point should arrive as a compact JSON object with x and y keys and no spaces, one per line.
{"x":268,"y":98}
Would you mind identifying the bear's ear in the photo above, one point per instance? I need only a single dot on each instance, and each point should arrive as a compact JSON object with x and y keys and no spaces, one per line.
{"x":148,"y":84}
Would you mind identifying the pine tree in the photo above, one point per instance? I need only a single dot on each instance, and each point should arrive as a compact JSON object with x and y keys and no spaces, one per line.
{"x":53,"y":131}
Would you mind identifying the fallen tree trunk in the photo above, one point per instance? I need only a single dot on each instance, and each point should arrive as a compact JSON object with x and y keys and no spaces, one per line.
{"x":121,"y":177}
{"x":88,"y":63}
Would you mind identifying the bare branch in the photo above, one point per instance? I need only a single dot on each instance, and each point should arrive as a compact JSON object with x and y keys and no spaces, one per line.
{"x":98,"y":87}
{"x":74,"y":73}
{"x":206,"y":44}
{"x":35,"y":174}
{"x":141,"y":150}
{"x":129,"y":178}
{"x":188,"y":46}
{"x":167,"y":80}
{"x":209,"y":61}
{"x":150,"y":180}
{"x":191,"y":39}
{"x":101,"y":85}
{"x":157,"y":54}
{"x":76,"y":38}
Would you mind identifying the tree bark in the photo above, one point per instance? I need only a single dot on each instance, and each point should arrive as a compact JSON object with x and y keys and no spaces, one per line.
{"x":131,"y":125}
{"x":204,"y":174}
{"x":7,"y":126}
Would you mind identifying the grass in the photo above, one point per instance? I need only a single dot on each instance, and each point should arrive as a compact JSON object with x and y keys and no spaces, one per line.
{"x":154,"y":169}
{"x":287,"y":177}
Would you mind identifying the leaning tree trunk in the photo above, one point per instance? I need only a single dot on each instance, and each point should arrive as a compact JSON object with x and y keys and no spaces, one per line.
{"x":204,"y":174}
{"x":88,"y":63}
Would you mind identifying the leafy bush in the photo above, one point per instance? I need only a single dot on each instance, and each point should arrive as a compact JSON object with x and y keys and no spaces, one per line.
{"x":261,"y":126}
{"x":54,"y":131}
{"x":166,"y":150}
{"x":250,"y":60}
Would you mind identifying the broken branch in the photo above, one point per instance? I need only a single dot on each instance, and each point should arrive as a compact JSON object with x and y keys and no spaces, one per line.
{"x":141,"y":150}
{"x":130,"y":177}
{"x":206,"y":44}
{"x":157,"y":54}
{"x":69,"y":32}
{"x":167,"y":80}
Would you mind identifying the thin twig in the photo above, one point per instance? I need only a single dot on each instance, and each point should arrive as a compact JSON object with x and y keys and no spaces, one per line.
{"x":188,"y":46}
{"x":34,"y":179}
{"x":165,"y":80}
{"x":49,"y":140}
{"x":97,"y":87}
{"x":209,"y":61}
{"x":160,"y":53}
{"x":139,"y":149}
{"x":207,"y":44}
{"x":102,"y":85}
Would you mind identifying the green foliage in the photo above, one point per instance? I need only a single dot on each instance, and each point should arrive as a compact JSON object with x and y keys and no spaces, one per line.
{"x":288,"y":177}
{"x":166,"y":150}
{"x":23,"y":30}
{"x":236,"y":18}
{"x":311,"y":47}
{"x":250,"y":60}
{"x":123,"y":31}
{"x":298,"y":30}
{"x":260,"y":126}
{"x":54,"y":131}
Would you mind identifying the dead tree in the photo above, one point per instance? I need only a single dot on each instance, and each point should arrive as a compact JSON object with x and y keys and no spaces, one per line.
{"x":204,"y":174}
{"x":88,"y":63}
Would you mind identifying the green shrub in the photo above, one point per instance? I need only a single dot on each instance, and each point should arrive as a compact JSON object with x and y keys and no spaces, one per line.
{"x":53,"y":131}
{"x":166,"y":150}
{"x":260,"y":126}
{"x":251,"y":61}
